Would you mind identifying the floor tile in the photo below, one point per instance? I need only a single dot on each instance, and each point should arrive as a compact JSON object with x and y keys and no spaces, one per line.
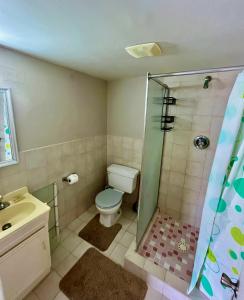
{"x":74,"y":224}
{"x":110,"y":249}
{"x":80,"y":227}
{"x":86,"y":216}
{"x":71,"y":242}
{"x":66,"y":265}
{"x":124,"y":222}
{"x":58,"y":255}
{"x":81,"y":249}
{"x":132,"y":228}
{"x":126,"y":239}
{"x":153,"y":294}
{"x":136,"y":258}
{"x":164,"y":298}
{"x":129,"y":214}
{"x":49,"y":287}
{"x":176,"y":282}
{"x":119,"y":235}
{"x":93,"y":209}
{"x":31,"y":296}
{"x":118,"y":254}
{"x":61,"y":296}
{"x":64,"y":233}
{"x":155,"y":270}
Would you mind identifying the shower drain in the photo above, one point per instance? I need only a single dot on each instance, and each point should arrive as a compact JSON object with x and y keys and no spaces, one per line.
{"x":182,"y":245}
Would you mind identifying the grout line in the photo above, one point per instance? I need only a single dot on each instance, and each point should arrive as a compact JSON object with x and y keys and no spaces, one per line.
{"x":61,"y":143}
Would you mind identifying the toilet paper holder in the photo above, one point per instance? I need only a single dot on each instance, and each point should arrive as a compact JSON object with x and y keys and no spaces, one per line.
{"x":68,"y":178}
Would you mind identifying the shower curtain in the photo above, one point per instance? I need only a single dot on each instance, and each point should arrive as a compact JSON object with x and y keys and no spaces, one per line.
{"x":220,"y":247}
{"x":6,"y":129}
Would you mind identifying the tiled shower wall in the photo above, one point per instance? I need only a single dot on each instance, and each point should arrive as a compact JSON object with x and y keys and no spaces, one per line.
{"x":41,"y":166}
{"x":185,"y":170}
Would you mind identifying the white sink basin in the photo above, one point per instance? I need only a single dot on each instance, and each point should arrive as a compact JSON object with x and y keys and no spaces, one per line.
{"x":24,"y":208}
{"x":16,"y":213}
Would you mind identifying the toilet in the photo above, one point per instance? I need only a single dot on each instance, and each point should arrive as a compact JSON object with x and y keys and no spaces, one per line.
{"x":121,"y":179}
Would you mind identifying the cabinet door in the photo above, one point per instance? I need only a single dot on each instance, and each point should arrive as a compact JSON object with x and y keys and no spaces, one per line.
{"x":22,"y":266}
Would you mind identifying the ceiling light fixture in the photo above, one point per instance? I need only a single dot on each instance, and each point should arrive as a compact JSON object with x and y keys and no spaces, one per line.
{"x":142,"y":50}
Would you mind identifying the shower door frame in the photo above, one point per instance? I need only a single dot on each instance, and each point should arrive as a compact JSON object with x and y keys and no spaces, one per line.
{"x":195,"y":72}
{"x":167,"y":91}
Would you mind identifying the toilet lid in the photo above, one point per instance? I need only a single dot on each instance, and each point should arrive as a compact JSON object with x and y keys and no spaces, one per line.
{"x":108,"y":198}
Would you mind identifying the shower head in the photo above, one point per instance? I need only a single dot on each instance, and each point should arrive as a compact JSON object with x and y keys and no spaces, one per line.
{"x":207,"y":79}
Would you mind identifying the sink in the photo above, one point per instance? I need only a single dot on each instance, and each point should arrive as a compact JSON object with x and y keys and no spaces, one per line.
{"x":24,"y":244}
{"x":24,"y":211}
{"x":16,"y":213}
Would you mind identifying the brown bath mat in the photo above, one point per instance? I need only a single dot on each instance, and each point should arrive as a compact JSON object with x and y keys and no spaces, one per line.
{"x":98,"y":235}
{"x":96,"y":277}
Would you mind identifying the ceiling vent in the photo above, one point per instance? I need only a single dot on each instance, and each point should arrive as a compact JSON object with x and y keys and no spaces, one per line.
{"x":142,"y":50}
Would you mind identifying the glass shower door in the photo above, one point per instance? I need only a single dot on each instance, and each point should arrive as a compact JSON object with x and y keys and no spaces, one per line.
{"x":152,"y":155}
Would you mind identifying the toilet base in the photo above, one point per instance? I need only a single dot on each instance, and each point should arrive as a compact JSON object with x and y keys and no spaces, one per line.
{"x":109,"y":220}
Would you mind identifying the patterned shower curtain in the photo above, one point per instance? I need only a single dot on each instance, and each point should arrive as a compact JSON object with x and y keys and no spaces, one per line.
{"x":6,"y":129}
{"x":221,"y":239}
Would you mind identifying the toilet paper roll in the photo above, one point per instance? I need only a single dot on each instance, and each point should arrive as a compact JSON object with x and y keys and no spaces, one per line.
{"x":72,"y":178}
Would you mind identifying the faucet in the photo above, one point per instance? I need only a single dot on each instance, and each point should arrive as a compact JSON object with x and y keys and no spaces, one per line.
{"x":3,"y":204}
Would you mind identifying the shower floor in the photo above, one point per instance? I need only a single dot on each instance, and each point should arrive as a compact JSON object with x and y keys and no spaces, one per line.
{"x":171,"y":245}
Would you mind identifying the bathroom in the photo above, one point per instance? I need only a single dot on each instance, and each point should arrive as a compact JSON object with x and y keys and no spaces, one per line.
{"x":120,"y":155}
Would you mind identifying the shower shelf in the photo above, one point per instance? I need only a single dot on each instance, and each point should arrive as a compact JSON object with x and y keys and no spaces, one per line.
{"x":169,"y":100}
{"x":165,"y":119}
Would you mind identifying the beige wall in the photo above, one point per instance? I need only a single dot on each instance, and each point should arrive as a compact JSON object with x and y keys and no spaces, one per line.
{"x":125,"y":124}
{"x":48,"y":98}
{"x":125,"y":107}
{"x":60,"y":118}
{"x":125,"y":121}
{"x":185,"y":170}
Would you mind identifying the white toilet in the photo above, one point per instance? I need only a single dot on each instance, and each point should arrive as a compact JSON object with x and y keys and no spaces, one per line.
{"x":121,"y":180}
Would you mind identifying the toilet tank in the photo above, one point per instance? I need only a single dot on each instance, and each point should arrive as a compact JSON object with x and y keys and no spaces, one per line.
{"x":122,"y":178}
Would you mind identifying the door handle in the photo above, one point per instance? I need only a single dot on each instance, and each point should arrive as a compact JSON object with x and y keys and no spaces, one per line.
{"x":227,"y":282}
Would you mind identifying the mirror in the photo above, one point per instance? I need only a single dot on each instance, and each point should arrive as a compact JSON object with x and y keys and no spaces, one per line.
{"x":8,"y":145}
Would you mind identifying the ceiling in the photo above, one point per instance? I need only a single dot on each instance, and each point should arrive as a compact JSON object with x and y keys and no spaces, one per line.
{"x":90,"y":36}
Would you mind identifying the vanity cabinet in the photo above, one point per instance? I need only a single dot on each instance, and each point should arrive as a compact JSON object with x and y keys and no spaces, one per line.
{"x":24,"y":265}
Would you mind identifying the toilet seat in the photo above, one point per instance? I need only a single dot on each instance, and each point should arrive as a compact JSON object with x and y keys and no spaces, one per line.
{"x":108,"y":198}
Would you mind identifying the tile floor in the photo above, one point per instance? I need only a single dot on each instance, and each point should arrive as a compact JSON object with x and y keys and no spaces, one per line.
{"x":171,"y":245}
{"x":72,"y":247}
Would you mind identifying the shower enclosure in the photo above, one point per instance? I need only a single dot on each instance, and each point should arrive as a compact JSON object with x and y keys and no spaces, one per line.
{"x":184,"y":114}
{"x":152,"y":153}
